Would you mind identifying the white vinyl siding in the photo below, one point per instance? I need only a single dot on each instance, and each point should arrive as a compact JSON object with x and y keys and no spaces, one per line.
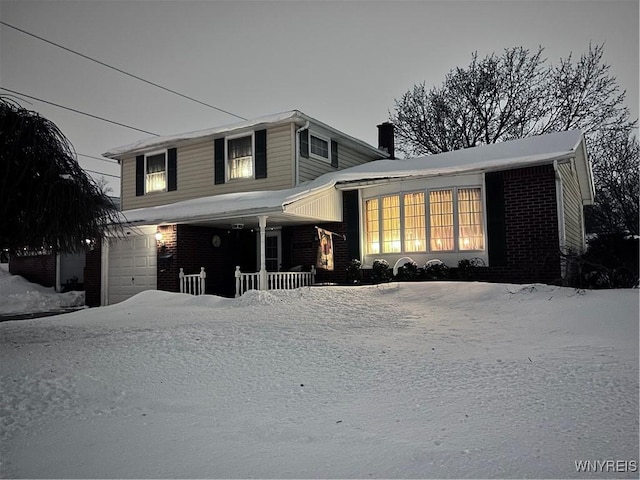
{"x":572,"y":209}
{"x":311,"y":168}
{"x":195,"y":172}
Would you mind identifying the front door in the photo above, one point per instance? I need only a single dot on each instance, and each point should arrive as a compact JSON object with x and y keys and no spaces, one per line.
{"x":273,"y":251}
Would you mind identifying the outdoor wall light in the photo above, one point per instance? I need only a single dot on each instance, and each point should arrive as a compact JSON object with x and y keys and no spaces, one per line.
{"x":159,"y":238}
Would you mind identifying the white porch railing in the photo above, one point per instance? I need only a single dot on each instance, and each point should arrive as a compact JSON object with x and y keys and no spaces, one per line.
{"x":275,"y":280}
{"x":193,"y":284}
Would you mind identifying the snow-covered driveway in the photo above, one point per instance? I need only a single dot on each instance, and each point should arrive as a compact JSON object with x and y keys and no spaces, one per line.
{"x":402,"y":380}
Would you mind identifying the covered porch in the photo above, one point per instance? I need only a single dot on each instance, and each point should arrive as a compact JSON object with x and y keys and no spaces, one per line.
{"x":241,"y":249}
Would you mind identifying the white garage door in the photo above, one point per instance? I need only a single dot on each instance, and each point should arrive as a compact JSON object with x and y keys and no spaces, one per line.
{"x":132,"y":264}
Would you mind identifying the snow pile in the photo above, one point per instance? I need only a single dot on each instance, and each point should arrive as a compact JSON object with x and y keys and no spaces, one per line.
{"x":415,"y":380}
{"x":17,"y":295}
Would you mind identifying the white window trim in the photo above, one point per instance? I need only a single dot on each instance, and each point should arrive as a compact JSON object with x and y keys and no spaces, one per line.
{"x":165,"y":152}
{"x":427,"y":209}
{"x":226,"y":156}
{"x":323,"y":138}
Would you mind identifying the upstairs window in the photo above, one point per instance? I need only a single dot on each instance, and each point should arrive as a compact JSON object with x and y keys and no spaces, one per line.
{"x":156,"y":172}
{"x":319,"y":147}
{"x":240,"y":157}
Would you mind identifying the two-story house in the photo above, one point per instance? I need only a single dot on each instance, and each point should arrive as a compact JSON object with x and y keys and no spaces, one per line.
{"x":197,"y":199}
{"x":251,"y":195}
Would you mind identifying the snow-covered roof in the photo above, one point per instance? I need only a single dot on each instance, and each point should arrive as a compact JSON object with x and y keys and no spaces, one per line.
{"x":497,"y":156}
{"x":530,"y":151}
{"x":295,"y":116}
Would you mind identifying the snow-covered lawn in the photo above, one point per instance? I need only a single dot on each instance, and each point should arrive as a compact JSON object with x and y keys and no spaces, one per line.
{"x":402,"y":380}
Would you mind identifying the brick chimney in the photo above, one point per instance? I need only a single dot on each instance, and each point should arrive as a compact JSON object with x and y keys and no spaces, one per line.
{"x":385,"y":139}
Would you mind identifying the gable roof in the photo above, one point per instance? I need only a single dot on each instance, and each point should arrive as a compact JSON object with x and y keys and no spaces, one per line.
{"x":544,"y":149}
{"x":295,"y":116}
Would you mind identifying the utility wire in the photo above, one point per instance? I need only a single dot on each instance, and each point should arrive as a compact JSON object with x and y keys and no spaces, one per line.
{"x":78,"y":111}
{"x":120,"y":70}
{"x":100,"y":173}
{"x":108,"y":160}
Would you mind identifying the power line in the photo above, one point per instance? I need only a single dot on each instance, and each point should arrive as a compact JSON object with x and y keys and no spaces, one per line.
{"x":100,"y":173}
{"x":121,"y":71}
{"x":81,"y":113}
{"x":108,"y":160}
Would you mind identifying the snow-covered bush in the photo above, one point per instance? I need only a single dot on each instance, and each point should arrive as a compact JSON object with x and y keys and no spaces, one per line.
{"x":468,"y":268}
{"x":381,"y":271}
{"x":409,"y":271}
{"x":354,"y":272}
{"x":435,"y":270}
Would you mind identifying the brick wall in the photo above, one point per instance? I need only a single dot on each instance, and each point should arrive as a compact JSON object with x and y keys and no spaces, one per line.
{"x":531,"y":227}
{"x":303,"y":249}
{"x":190,"y":248}
{"x":93,"y":276}
{"x":168,"y":259}
{"x":35,"y":268}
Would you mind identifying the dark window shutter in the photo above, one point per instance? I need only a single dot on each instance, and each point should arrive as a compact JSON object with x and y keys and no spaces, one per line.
{"x":304,"y":143}
{"x":352,"y":213}
{"x":172,"y":169}
{"x":261,"y":153}
{"x":334,"y":153}
{"x":496,"y":225}
{"x":139,"y":175}
{"x":218,"y":163}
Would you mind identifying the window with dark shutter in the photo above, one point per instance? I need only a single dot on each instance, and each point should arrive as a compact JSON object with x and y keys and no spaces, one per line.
{"x":261,"y":154}
{"x":334,"y":153}
{"x":172,"y":169}
{"x":218,"y":162}
{"x":139,"y":175}
{"x":304,"y":143}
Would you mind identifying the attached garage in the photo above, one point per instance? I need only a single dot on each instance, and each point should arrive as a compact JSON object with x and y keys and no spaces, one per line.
{"x":129,"y":264}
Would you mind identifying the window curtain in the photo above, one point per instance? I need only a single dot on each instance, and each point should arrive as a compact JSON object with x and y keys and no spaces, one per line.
{"x":240,"y":157}
{"x":391,"y":224}
{"x":470,"y":232}
{"x":156,"y":178}
{"x":441,"y":220}
{"x":372,"y":226}
{"x":414,"y":223}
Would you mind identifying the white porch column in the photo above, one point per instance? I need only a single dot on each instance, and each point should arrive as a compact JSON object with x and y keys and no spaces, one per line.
{"x":262,"y":221}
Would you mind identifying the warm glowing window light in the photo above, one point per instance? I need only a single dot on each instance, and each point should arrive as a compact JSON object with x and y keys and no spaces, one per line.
{"x":372,"y":226}
{"x":470,"y":231}
{"x":414,"y":223}
{"x":441,"y":220}
{"x":240,"y":157}
{"x":391,"y":224}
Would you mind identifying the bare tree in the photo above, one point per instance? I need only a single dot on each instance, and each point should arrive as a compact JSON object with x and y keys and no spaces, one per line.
{"x":516,"y":95}
{"x":46,"y":199}
{"x":616,"y":173}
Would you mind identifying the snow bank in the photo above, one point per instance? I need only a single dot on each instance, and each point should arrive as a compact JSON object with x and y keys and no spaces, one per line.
{"x":415,"y":380}
{"x":17,"y":295}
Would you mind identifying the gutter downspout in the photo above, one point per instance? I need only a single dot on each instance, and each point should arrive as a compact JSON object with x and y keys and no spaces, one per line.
{"x":297,"y":154}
